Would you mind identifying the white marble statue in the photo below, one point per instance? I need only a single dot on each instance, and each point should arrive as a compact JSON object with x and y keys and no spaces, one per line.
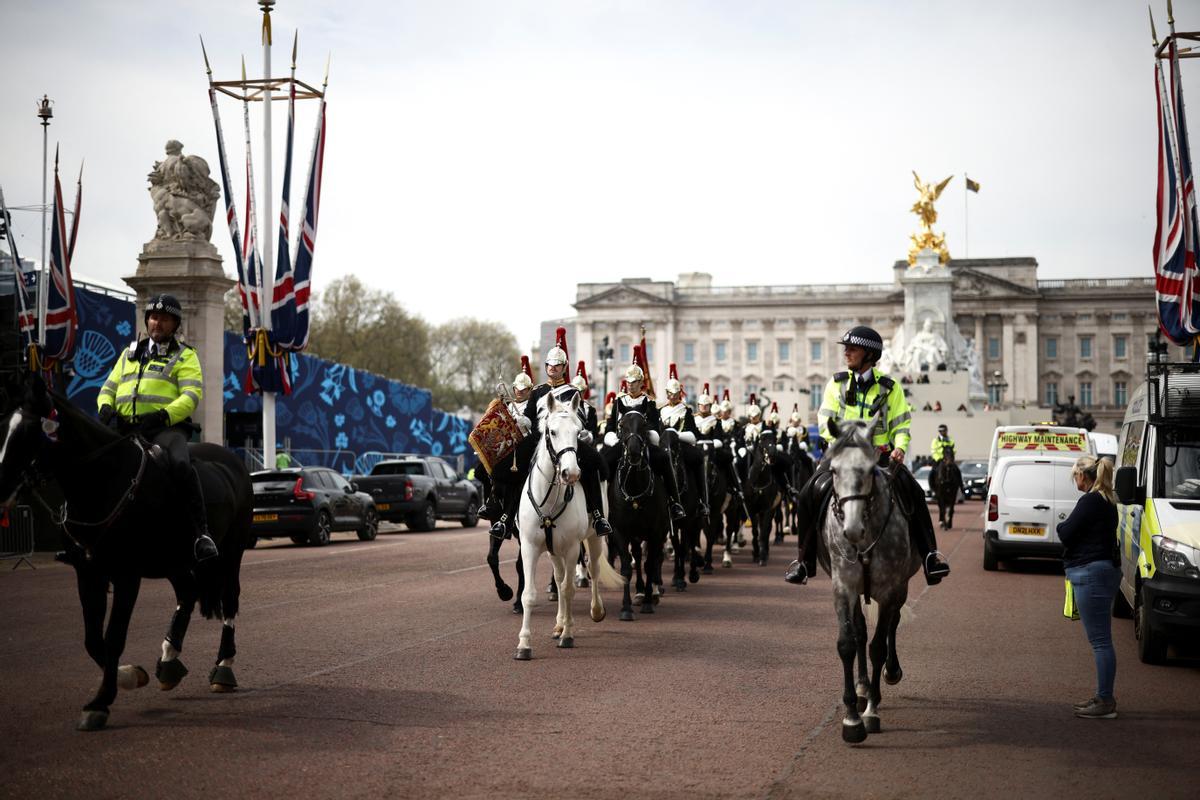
{"x":184,"y":196}
{"x":927,"y":349}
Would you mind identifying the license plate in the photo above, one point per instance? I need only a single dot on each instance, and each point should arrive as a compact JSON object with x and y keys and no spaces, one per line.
{"x":266,"y":517}
{"x":382,"y":506}
{"x":1026,"y":530}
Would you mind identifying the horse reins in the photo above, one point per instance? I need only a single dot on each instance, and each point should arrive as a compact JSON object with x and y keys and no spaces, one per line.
{"x":628,"y":468}
{"x":548,"y":520}
{"x":864,"y":556}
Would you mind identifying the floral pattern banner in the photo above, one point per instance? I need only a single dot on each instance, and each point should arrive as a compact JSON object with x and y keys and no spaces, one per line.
{"x":106,"y":325}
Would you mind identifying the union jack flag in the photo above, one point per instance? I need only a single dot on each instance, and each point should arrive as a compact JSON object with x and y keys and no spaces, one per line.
{"x":283,"y":297}
{"x":1176,"y":235}
{"x":307,"y":241}
{"x":62,"y":316}
{"x":249,"y":313}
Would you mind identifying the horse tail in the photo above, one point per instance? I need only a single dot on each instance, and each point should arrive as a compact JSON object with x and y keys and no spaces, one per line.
{"x":208,"y":580}
{"x":602,"y":572}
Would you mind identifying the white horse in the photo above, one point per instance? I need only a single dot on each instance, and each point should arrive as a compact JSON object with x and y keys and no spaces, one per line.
{"x":553,"y":518}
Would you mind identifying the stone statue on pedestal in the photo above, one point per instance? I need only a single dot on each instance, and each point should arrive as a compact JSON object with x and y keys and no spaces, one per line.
{"x":184,"y":197}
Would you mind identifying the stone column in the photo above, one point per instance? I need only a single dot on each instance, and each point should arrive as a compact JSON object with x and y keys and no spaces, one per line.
{"x":979,"y":344}
{"x":191,"y":271}
{"x":1007,"y":356}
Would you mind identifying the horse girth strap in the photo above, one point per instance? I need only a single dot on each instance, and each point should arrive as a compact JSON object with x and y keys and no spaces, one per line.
{"x":547,"y":520}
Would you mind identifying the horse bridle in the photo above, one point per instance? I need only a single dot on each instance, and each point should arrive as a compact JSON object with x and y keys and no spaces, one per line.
{"x":548,"y":520}
{"x":628,"y":468}
{"x":863,"y":556}
{"x":765,"y":449}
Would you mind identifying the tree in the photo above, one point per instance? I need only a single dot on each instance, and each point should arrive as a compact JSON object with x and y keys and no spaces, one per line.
{"x":469,"y":357}
{"x":369,"y":329}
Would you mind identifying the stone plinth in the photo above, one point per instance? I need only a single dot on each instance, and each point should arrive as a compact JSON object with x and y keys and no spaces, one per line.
{"x":191,"y":271}
{"x":927,"y":286}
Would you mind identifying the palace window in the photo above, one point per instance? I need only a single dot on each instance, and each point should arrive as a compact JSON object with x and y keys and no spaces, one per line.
{"x":785,"y":351}
{"x":689,"y":352}
{"x":815,"y":391}
{"x":624,"y":357}
{"x":1120,"y":346}
{"x":815,"y":350}
{"x":1051,"y":394}
{"x":1120,"y":393}
{"x":752,"y":350}
{"x":1085,"y":346}
{"x":720,"y":351}
{"x":1051,"y":347}
{"x":993,"y":347}
{"x":1085,"y":394}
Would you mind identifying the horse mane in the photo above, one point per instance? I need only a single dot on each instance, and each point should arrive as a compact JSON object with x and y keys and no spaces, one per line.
{"x":93,"y":426}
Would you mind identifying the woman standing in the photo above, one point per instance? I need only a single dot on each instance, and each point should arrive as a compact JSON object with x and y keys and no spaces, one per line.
{"x":1092,"y":561}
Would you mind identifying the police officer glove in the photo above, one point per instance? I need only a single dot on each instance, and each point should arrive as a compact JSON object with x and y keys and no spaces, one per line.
{"x":105,"y":414}
{"x":155,"y":420}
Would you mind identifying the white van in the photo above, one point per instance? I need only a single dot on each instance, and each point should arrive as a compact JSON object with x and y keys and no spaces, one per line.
{"x":1027,"y":440}
{"x":1106,"y":445}
{"x":1158,"y":500}
{"x":1027,"y":498}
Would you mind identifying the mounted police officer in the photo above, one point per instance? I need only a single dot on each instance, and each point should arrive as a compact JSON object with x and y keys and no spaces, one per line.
{"x":636,"y":400}
{"x":592,"y":469}
{"x":941,"y":445}
{"x":858,"y":394}
{"x":677,"y":416}
{"x":154,"y":389}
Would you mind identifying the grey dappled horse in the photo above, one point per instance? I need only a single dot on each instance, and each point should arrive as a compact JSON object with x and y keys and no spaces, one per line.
{"x":865,"y":549}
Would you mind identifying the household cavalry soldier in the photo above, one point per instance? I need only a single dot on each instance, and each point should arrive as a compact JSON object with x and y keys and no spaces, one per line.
{"x":677,"y":416}
{"x":772,"y":421}
{"x":728,"y":423}
{"x":154,"y":389}
{"x":708,"y":429}
{"x":782,"y":463}
{"x":636,"y":400}
{"x":592,"y":469}
{"x":522,"y":385}
{"x":858,"y":394}
{"x":587,"y":412}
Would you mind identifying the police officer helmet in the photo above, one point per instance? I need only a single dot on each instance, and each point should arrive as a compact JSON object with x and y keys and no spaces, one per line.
{"x":864,"y":337}
{"x":942,"y":428}
{"x":164,"y":304}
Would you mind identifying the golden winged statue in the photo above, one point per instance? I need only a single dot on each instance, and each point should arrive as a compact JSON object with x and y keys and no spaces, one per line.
{"x":923,"y":208}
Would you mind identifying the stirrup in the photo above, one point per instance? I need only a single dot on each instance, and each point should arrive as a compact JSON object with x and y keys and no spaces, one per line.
{"x":600,"y":524}
{"x":703,"y":509}
{"x":796,"y":573}
{"x":677,"y":512}
{"x":205,"y":548}
{"x":499,"y":530}
{"x":935,"y":568}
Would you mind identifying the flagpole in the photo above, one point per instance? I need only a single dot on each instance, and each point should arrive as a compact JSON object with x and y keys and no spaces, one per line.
{"x":268,"y":287}
{"x":966,"y":218}
{"x":44,"y":114}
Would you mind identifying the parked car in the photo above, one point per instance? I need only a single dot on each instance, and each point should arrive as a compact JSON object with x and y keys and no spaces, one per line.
{"x":1028,"y":497}
{"x":922,"y":476}
{"x":974,"y":475}
{"x":420,"y":490}
{"x":307,"y":504}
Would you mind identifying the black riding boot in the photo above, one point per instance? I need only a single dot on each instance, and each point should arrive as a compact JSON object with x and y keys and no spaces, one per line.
{"x":809,"y":504}
{"x":675,"y":507}
{"x":501,"y":528}
{"x":595,"y":503}
{"x":203,"y":547}
{"x":695,"y":468}
{"x":920,"y":530}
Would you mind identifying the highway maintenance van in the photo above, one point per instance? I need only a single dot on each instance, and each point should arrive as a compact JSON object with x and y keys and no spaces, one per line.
{"x":1038,"y":440}
{"x":1158,"y":490}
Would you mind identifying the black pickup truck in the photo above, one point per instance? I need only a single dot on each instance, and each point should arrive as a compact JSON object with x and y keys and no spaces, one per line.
{"x":420,"y":490}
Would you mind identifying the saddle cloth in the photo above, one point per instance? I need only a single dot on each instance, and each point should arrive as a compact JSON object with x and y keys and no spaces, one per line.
{"x":495,"y":436}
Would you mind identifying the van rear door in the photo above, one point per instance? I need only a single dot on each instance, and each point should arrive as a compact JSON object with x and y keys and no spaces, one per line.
{"x":1026,"y":500}
{"x":1065,"y":494}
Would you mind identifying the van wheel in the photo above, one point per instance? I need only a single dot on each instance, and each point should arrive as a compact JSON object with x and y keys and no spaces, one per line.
{"x":1152,"y":645}
{"x":990,"y":562}
{"x":1121,"y":607}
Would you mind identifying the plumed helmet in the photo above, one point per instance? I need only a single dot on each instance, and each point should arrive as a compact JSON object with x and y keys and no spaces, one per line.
{"x":521,"y":382}
{"x":726,"y":405}
{"x":556,"y":355}
{"x":753,"y":410}
{"x":166,"y":304}
{"x":774,"y":415}
{"x":580,"y":381}
{"x":673,"y":384}
{"x":634,"y":373}
{"x":864,"y":337}
{"x":528,"y":370}
{"x":795,"y":417}
{"x":705,"y":399}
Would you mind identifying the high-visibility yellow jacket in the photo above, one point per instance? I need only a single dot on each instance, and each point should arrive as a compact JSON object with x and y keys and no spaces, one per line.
{"x":939,"y":446}
{"x":141,"y":383}
{"x":883,"y":394}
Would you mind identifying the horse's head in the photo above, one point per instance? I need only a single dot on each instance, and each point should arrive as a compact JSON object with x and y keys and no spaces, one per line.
{"x":632,"y":433}
{"x":853,"y":460}
{"x":761,"y":444}
{"x":561,"y":428}
{"x":27,"y":428}
{"x":948,"y":454}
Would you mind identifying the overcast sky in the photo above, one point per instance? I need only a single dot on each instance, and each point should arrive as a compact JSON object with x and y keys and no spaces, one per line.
{"x":484,"y":156}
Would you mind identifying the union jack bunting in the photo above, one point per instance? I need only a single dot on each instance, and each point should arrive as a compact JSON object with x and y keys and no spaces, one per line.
{"x":1176,"y":233}
{"x":62,"y":318}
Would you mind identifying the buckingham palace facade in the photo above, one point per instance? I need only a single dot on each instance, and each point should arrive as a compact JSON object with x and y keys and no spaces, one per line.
{"x":1043,"y":340}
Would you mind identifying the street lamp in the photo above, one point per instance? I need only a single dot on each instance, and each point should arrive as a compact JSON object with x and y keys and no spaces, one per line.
{"x":45,"y":113}
{"x":996,"y":386}
{"x":605,"y":359}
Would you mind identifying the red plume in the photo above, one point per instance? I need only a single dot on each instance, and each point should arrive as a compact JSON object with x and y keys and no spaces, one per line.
{"x":753,"y":400}
{"x":624,"y":386}
{"x":726,"y":395}
{"x":560,"y":339}
{"x":608,"y":398}
{"x":795,"y":408}
{"x":581,"y":372}
{"x":774,"y":407}
{"x":526,"y":368}
{"x":672,"y":373}
{"x":705,"y":389}
{"x":637,"y":354}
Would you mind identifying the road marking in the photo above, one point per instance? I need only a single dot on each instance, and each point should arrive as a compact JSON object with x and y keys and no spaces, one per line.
{"x":340,"y":551}
{"x":477,"y":566}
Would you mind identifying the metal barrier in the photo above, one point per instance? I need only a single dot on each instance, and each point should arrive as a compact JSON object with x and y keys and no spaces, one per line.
{"x":16,"y":535}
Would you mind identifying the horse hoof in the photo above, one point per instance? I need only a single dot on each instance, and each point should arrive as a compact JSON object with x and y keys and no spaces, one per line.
{"x":647,"y":608}
{"x":92,"y":720}
{"x":892,"y":678}
{"x":131,"y":676}
{"x":567,"y":642}
{"x":598,"y":616}
{"x":657,"y":597}
{"x":872,"y":724}
{"x":505,"y":592}
{"x":639,"y":597}
{"x":518,"y":608}
{"x":679,"y":585}
{"x":694,"y":575}
{"x":557,"y":633}
{"x":221,"y":679}
{"x":706,"y":571}
{"x":854,"y":734}
{"x":523,"y":654}
{"x":626,"y":615}
{"x":552,"y":597}
{"x":169,"y":673}
{"x":726,"y":564}
{"x":862,"y":703}
{"x":778,"y":540}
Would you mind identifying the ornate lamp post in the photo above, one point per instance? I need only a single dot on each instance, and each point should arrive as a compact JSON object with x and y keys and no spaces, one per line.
{"x":996,"y":386}
{"x":604,"y":358}
{"x":45,"y":113}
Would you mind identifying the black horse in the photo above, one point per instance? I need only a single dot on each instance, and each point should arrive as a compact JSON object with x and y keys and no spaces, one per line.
{"x":718,"y":495}
{"x":685,"y":533}
{"x":503,"y":590}
{"x":637,"y":508}
{"x":762,"y":494}
{"x":802,"y":470}
{"x":945,"y":481}
{"x":121,"y":516}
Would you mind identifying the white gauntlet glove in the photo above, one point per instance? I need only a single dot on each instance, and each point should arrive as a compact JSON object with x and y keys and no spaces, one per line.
{"x":610,"y":439}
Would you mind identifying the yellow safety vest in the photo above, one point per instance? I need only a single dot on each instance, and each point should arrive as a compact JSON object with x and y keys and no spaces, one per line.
{"x":897,"y":412}
{"x":939,"y":446}
{"x":138,"y":386}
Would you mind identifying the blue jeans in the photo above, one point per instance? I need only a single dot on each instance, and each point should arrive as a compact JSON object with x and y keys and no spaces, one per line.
{"x":1095,"y":586}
